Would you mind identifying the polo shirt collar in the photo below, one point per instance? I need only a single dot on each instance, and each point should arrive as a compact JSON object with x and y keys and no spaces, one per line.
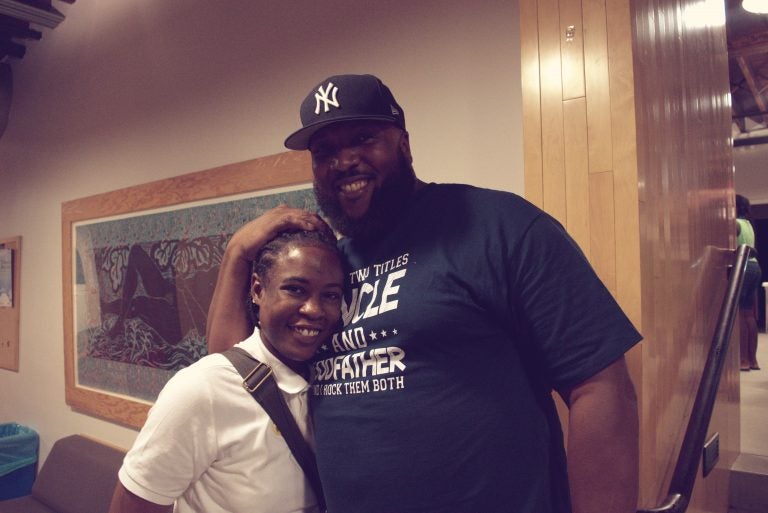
{"x":287,"y":380}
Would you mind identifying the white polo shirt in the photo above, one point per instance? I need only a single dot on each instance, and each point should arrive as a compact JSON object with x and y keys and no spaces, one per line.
{"x":210,"y":447}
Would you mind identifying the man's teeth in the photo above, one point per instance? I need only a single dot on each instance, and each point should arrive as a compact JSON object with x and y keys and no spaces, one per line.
{"x":307,"y":332}
{"x":354,"y":186}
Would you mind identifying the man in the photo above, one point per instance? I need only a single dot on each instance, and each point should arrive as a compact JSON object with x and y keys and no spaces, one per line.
{"x":467,"y":308}
{"x":745,"y":234}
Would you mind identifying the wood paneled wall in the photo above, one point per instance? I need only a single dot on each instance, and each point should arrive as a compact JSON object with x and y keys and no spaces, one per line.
{"x":686,"y":175}
{"x":579,"y":131}
{"x":626,"y":126}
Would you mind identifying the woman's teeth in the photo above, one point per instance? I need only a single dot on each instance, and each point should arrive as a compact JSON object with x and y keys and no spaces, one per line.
{"x":307,"y":332}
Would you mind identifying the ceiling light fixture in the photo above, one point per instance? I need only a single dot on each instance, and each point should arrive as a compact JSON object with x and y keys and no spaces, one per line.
{"x":755,"y":6}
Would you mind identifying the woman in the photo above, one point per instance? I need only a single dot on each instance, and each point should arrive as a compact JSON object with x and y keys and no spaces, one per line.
{"x":747,"y":317}
{"x":207,"y":445}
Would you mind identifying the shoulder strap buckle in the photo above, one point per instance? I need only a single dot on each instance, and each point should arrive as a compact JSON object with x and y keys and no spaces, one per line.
{"x":257,"y":377}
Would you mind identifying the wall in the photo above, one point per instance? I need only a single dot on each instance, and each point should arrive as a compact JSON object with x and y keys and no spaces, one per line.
{"x":579,"y":144}
{"x":580,"y":162}
{"x":751,"y":166}
{"x":123,"y":93}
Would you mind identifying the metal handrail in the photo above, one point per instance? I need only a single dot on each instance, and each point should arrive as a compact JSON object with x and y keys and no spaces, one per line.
{"x":684,"y":476}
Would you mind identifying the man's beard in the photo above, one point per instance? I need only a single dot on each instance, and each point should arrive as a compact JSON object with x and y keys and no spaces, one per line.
{"x":387,"y":202}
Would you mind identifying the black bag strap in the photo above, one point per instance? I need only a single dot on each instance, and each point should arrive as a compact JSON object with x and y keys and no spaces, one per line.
{"x":259,"y":381}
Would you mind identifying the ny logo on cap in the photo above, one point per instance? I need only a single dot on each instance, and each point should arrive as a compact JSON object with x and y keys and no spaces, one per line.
{"x":322,"y":96}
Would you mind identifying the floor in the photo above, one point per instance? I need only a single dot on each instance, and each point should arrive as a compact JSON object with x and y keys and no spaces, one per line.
{"x":754,"y":404}
{"x":749,"y":474}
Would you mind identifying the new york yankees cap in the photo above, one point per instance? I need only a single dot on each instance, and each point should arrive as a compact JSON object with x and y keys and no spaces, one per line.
{"x":344,"y":98}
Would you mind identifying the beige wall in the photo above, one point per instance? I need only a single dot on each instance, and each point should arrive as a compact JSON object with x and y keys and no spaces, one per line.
{"x":749,"y":162}
{"x":123,"y":93}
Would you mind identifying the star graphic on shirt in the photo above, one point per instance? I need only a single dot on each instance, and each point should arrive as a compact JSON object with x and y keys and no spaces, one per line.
{"x":372,"y":334}
{"x":394,"y":331}
{"x":383,"y":333}
{"x":324,"y":347}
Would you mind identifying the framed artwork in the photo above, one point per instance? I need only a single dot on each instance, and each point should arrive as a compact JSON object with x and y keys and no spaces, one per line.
{"x":10,"y":288}
{"x":6,"y":277}
{"x":139,"y":269}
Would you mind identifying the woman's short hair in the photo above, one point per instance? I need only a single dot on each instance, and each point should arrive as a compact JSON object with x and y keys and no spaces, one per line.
{"x":268,"y":254}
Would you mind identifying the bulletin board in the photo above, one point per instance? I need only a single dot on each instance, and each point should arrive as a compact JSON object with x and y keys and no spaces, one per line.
{"x":9,"y":311}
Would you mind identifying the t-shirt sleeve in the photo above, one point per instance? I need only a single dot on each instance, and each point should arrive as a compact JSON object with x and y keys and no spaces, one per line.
{"x":176,"y":444}
{"x":576,"y":327}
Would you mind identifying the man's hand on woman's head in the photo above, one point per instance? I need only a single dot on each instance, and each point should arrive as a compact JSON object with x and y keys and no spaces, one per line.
{"x":247,"y":241}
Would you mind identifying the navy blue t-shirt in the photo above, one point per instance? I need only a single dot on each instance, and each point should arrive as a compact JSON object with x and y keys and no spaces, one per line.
{"x":436,"y":396}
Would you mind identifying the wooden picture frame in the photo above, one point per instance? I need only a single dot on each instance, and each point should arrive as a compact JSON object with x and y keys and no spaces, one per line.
{"x":10,"y":314}
{"x":139,"y":266}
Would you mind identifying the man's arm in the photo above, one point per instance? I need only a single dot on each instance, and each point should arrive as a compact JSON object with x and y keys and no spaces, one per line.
{"x":124,"y":501}
{"x":603,"y":442}
{"x":228,"y":318}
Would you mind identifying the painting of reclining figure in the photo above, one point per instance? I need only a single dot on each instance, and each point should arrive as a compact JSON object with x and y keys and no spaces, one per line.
{"x":143,"y":284}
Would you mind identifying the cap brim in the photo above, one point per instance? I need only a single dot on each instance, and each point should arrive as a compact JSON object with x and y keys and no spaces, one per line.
{"x":299,"y":140}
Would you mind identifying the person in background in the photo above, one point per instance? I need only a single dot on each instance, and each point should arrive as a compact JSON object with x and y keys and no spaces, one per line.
{"x":466,"y":308}
{"x":748,"y":298}
{"x":207,"y":446}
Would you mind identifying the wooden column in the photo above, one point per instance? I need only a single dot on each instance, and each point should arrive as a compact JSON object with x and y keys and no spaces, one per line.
{"x":626,"y":129}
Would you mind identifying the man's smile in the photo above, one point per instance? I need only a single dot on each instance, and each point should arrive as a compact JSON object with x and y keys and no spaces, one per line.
{"x":350,"y":185}
{"x":353,"y":187}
